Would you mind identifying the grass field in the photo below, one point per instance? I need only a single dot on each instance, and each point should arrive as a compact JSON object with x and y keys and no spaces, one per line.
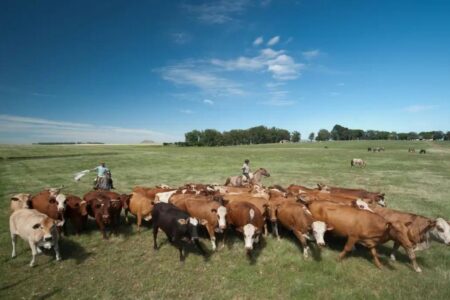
{"x":127,"y":267}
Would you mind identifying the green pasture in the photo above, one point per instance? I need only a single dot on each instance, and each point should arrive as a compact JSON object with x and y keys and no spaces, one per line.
{"x":127,"y":267}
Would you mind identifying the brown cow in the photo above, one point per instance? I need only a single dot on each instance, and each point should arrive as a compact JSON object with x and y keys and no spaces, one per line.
{"x":297,"y":218}
{"x":48,"y":203}
{"x":76,"y":213}
{"x":247,"y":219}
{"x":358,"y":193}
{"x":418,"y":226}
{"x":363,"y":227}
{"x":210,"y":213}
{"x":100,"y":209}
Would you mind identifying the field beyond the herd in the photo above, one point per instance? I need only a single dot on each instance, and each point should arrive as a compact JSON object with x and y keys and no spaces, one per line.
{"x":127,"y":267}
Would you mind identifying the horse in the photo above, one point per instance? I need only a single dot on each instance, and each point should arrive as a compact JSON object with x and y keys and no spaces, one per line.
{"x":241,"y":180}
{"x":104,"y":183}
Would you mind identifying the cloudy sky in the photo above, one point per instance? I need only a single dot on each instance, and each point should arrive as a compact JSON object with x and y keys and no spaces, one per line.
{"x":125,"y":71}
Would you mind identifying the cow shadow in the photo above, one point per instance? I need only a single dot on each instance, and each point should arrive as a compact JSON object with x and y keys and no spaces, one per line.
{"x":11,"y":285}
{"x":72,"y":250}
{"x":257,"y":250}
{"x":401,"y":256}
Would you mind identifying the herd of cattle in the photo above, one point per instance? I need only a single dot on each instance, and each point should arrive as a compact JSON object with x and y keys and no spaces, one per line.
{"x":356,"y":214}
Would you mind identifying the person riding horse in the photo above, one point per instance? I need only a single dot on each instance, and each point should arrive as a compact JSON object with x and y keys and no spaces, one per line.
{"x":103,"y":180}
{"x":246,"y":170}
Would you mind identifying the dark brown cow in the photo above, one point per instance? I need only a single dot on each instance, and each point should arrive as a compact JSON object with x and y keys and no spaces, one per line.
{"x":123,"y":198}
{"x":363,"y":227}
{"x":211,"y":213}
{"x":247,"y":219}
{"x":100,"y":209}
{"x":76,"y":213}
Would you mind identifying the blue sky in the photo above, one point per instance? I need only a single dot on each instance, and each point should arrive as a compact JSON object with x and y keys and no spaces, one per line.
{"x":125,"y":71}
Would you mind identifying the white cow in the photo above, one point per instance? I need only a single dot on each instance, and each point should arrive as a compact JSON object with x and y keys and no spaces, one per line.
{"x":37,"y":229}
{"x":440,"y":233}
{"x":357,"y":162}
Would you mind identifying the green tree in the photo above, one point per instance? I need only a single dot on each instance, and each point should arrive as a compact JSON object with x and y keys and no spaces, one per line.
{"x":413,"y":135}
{"x":323,"y":135}
{"x":311,"y":136}
{"x":211,"y":137}
{"x":295,"y":137}
{"x":192,"y":138}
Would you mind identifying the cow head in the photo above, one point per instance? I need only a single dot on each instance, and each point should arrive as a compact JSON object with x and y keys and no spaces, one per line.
{"x":250,"y":233}
{"x":441,"y":231}
{"x":45,"y":230}
{"x":61,"y":202}
{"x":380,"y":199}
{"x":360,"y":204}
{"x":21,"y":199}
{"x":192,"y":227}
{"x":318,"y":229}
{"x":271,"y":211}
{"x":101,"y":207}
{"x":221,"y":213}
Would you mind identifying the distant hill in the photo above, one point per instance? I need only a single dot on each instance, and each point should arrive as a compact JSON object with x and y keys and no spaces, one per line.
{"x":147,"y":142}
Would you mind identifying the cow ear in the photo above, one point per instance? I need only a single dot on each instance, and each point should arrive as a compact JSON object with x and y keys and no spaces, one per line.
{"x":15,"y":199}
{"x":36,"y":226}
{"x":182,"y":221}
{"x":329,"y":228}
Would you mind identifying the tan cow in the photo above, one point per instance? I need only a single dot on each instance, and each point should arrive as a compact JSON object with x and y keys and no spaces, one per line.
{"x":363,"y":227}
{"x":35,"y":228}
{"x":141,"y":206}
{"x":19,"y":201}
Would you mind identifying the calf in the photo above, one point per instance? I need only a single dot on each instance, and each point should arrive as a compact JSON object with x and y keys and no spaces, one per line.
{"x":37,"y":229}
{"x":361,"y":226}
{"x":247,"y":219}
{"x":19,"y":201}
{"x":357,"y":162}
{"x":177,"y":225}
{"x":76,"y":213}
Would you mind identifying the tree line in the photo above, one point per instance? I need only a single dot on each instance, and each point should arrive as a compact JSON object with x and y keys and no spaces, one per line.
{"x":341,"y":133}
{"x":266,"y":135}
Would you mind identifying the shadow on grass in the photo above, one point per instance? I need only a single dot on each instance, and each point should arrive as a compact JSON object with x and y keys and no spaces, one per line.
{"x":288,"y":235}
{"x":48,"y":294}
{"x":72,"y":250}
{"x":8,"y":286}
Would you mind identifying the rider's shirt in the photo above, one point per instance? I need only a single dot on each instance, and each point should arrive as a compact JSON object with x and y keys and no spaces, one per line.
{"x":245,"y":168}
{"x":101,"y":171}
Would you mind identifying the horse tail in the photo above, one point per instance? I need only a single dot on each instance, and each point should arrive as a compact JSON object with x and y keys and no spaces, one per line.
{"x":227,"y":181}
{"x":351,"y":163}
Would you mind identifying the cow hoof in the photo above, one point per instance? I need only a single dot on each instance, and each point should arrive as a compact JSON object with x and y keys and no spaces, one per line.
{"x":393,"y":257}
{"x":418,"y":270}
{"x":58,"y":258}
{"x":31,"y":265}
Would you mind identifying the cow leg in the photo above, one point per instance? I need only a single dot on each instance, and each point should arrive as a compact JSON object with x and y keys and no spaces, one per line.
{"x":412,"y":257}
{"x":13,"y":241}
{"x":348,"y":247}
{"x":394,"y":249}
{"x":155,"y":236}
{"x":375,"y":257}
{"x":266,"y":232}
{"x":275,"y":230}
{"x":139,"y":221}
{"x":33,"y":253}
{"x":126,"y":216}
{"x":302,"y":240}
{"x":101,"y":226}
{"x":182,"y":255}
{"x":212,"y":236}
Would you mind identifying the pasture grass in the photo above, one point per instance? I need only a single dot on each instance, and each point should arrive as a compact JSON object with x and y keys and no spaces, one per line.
{"x":127,"y":267}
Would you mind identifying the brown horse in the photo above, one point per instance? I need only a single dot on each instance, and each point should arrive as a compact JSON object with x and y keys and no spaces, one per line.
{"x":241,"y":180}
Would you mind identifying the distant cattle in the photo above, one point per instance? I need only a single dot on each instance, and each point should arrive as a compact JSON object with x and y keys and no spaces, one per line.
{"x":410,"y":150}
{"x":178,"y":226}
{"x":357,"y":162}
{"x":35,"y":228}
{"x":422,"y":151}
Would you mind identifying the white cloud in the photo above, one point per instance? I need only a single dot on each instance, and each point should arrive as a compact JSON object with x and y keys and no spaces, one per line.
{"x":208,"y":101}
{"x":279,"y":102}
{"x":258,"y":41}
{"x":280,"y":65}
{"x":311,"y":54}
{"x":419,"y":108}
{"x":217,"y":12}
{"x":26,"y":129}
{"x":186,"y":111}
{"x":273,"y":41}
{"x":198,"y":76}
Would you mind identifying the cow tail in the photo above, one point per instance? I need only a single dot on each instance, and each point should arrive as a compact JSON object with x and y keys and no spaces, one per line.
{"x":227,"y":181}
